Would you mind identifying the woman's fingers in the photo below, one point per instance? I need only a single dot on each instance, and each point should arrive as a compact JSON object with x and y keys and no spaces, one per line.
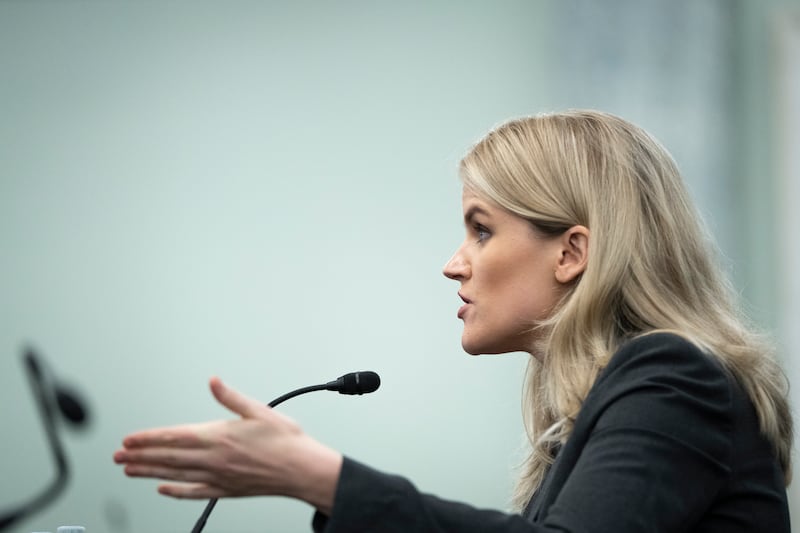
{"x":235,"y":401}
{"x":186,"y":475}
{"x":239,"y":457}
{"x":185,"y":436}
{"x":194,"y":491}
{"x":169,"y":457}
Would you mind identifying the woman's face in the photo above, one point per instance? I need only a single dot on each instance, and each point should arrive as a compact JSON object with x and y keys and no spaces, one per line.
{"x":507,"y":272}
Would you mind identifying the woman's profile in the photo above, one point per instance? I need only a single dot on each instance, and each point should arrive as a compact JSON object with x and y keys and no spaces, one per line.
{"x":650,"y":402}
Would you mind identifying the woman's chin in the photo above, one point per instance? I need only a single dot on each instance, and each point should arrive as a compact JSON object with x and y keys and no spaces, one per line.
{"x":470,"y":347}
{"x":476,"y":348}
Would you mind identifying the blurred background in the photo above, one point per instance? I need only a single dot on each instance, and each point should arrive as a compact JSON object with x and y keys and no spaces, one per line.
{"x":267,"y":191}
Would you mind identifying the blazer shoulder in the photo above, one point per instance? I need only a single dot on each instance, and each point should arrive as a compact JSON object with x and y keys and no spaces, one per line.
{"x":663,"y":351}
{"x":663,"y":366}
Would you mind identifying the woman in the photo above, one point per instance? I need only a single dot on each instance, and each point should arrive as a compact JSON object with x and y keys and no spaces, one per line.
{"x":649,"y":403}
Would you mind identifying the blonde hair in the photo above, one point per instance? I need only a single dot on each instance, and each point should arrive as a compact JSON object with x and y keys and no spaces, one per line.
{"x":651,"y":267}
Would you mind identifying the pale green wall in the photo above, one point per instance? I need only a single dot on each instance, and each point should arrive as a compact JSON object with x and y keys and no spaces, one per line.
{"x":267,"y":191}
{"x":766,"y":243}
{"x":756,"y":115}
{"x":264,"y":191}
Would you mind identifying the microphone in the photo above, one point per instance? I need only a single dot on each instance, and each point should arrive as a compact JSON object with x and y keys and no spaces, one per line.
{"x":352,"y":383}
{"x":355,"y":383}
{"x":55,"y":402}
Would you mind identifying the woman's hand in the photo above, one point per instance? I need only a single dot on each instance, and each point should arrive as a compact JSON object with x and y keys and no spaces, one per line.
{"x":261,"y":453}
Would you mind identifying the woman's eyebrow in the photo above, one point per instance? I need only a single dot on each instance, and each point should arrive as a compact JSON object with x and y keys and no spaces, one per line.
{"x":472,"y":211}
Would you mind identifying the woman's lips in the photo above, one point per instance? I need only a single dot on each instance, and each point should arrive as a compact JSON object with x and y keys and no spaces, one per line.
{"x":463,"y":308}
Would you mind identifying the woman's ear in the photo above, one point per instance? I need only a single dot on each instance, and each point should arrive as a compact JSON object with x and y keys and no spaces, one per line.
{"x":574,"y":254}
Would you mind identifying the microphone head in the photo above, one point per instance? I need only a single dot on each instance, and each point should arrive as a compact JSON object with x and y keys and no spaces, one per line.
{"x":71,"y":406}
{"x":358,"y":383}
{"x":52,"y":394}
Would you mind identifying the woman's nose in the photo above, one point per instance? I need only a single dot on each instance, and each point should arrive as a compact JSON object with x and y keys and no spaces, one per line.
{"x":456,"y":267}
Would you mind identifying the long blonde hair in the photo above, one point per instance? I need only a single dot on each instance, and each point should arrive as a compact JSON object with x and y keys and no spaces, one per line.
{"x":652,"y":266}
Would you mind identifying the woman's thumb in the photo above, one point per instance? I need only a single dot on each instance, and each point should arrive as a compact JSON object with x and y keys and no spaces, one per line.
{"x":235,"y":401}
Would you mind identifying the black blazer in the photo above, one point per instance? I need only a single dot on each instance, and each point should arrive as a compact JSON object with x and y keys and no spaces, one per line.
{"x":666,"y":441}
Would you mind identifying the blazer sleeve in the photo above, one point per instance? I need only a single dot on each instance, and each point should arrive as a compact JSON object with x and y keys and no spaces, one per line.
{"x":370,"y":501}
{"x":648,"y":453}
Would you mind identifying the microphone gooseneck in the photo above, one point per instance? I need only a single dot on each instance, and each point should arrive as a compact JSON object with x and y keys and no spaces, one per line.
{"x":352,"y":383}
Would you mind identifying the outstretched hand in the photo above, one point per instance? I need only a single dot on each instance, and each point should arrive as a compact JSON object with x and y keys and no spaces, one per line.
{"x":261,"y":453}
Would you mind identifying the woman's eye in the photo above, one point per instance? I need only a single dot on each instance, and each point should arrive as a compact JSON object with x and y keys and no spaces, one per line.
{"x":482,"y":233}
